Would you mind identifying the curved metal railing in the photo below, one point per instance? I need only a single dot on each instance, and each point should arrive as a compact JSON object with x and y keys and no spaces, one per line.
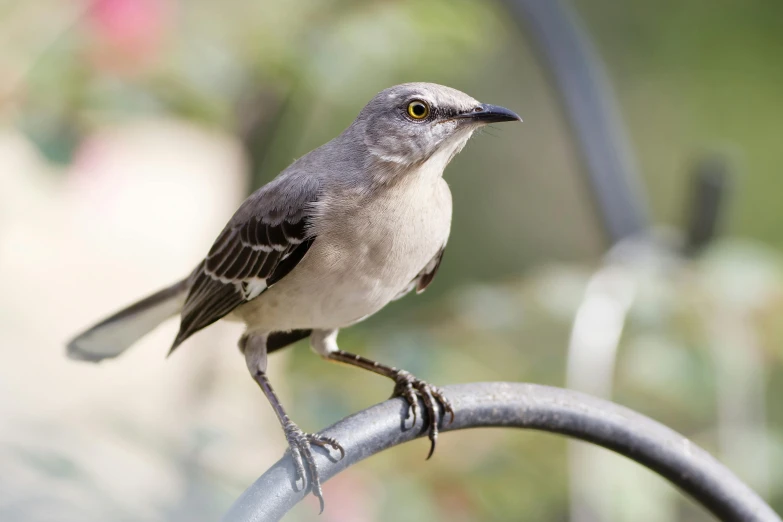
{"x":527,"y":406}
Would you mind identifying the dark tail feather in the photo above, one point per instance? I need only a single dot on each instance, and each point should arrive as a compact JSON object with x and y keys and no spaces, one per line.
{"x":114,"y":335}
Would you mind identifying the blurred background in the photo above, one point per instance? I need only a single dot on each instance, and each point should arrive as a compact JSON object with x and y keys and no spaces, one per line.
{"x":624,"y":241}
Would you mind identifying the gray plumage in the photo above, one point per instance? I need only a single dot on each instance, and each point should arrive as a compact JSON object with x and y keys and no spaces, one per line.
{"x":344,"y":230}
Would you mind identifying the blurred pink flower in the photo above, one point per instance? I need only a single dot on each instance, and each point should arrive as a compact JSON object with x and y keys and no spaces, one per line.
{"x":127,"y":34}
{"x":351,"y":496}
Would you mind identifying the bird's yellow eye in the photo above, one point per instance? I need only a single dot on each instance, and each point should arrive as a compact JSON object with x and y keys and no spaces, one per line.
{"x":418,"y":110}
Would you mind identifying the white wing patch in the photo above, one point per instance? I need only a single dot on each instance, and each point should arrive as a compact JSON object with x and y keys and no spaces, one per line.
{"x":252,"y":288}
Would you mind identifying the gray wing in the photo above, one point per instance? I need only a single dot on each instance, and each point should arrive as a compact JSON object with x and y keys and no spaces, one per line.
{"x":263,"y":242}
{"x":425,"y":277}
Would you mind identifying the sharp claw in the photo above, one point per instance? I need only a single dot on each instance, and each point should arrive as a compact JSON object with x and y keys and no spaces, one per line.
{"x":328,"y":441}
{"x":318,"y":492}
{"x":436,"y":404}
{"x":301,"y":452}
{"x":433,"y":431}
{"x":315,"y":480}
{"x":296,"y":454}
{"x":335,"y":446}
{"x":339,"y":448}
{"x":446,"y":404}
{"x":433,"y":440}
{"x":429,"y":403}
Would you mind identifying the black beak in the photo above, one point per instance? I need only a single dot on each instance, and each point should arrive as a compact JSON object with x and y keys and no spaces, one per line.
{"x":486,"y":113}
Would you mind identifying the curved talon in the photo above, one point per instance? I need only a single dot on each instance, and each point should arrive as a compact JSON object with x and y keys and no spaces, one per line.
{"x":436,"y":404}
{"x":444,"y":402}
{"x":300,"y":444}
{"x":296,"y":454}
{"x":429,"y":403}
{"x":328,"y":441}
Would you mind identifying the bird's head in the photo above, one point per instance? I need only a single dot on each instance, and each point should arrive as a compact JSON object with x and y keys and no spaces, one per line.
{"x":409,"y":124}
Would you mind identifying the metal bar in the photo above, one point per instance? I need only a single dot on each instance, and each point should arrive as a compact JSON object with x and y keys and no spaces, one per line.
{"x":527,"y":406}
{"x":581,"y":81}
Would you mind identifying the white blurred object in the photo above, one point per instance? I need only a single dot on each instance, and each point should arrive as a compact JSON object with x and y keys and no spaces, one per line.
{"x":139,"y":207}
{"x":592,"y":352}
{"x":737,"y":280}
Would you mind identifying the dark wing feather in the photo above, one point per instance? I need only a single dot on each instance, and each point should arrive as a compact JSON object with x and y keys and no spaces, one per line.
{"x":425,"y":277}
{"x":259,"y":246}
{"x":428,"y":274}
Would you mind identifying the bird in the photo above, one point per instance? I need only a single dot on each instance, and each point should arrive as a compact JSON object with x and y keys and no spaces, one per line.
{"x":347,"y":228}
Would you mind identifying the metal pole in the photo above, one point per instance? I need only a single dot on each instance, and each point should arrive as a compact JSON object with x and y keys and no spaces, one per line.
{"x":590,"y":108}
{"x":522,"y":406}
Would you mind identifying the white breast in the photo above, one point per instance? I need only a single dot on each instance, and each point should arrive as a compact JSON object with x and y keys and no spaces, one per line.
{"x":366,"y":251}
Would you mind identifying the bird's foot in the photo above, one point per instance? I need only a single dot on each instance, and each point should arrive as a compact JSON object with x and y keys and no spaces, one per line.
{"x":437,"y":405}
{"x":301,"y":444}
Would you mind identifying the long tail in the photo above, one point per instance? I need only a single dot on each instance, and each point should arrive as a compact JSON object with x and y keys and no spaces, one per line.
{"x":114,"y":335}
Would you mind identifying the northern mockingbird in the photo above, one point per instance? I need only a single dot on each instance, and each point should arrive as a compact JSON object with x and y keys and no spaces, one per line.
{"x":347,"y":228}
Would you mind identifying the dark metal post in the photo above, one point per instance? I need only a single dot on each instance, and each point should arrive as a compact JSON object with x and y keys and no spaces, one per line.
{"x":591,"y":111}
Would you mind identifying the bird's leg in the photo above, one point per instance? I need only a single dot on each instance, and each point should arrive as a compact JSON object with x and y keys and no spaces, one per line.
{"x":324,"y":342}
{"x":254,"y":349}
